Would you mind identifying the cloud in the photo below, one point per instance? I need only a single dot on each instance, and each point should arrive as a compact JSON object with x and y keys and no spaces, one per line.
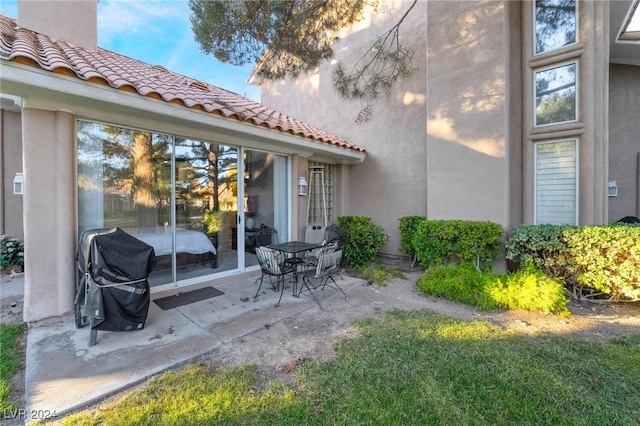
{"x":159,"y":32}
{"x":119,"y":18}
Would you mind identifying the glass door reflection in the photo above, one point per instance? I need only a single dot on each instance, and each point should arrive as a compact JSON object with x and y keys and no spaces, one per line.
{"x":265,"y":201}
{"x":206,"y":195}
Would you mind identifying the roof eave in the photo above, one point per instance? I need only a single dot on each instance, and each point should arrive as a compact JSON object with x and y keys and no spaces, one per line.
{"x":43,"y":89}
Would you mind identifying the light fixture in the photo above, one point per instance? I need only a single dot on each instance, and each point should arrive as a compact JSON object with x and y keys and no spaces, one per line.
{"x":613,"y":188}
{"x":303,"y":186}
{"x":18,"y":184}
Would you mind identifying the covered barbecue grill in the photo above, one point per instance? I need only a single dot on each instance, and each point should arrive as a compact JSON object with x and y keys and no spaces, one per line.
{"x":113,"y":291}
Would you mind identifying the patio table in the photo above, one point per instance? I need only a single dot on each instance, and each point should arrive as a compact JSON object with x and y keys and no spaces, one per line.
{"x":294,"y":248}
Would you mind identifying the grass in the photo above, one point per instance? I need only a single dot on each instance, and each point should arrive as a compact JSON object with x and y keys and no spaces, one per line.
{"x":379,"y":273}
{"x":411,"y":369}
{"x":10,"y":361}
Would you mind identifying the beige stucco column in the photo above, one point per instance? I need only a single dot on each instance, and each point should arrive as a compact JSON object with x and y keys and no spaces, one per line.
{"x":594,"y":101}
{"x":49,"y":213}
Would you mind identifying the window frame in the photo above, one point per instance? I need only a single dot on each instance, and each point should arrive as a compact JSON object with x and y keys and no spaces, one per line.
{"x":576,"y":142}
{"x":558,"y":49}
{"x":535,"y":71}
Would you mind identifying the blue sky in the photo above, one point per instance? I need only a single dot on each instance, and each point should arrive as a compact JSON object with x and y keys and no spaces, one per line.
{"x":158,"y":32}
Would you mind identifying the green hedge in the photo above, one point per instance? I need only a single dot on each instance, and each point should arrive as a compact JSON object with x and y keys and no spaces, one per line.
{"x":593,"y":260}
{"x":541,"y":246}
{"x":363,"y":239}
{"x":408,"y":227}
{"x":438,"y":241}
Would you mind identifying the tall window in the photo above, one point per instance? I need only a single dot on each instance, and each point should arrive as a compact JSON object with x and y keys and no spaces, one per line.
{"x":555,"y":94}
{"x":556,"y":182}
{"x":555,"y":24}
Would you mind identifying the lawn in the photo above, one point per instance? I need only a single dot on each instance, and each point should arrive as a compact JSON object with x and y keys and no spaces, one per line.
{"x":406,"y":369}
{"x":10,"y":362}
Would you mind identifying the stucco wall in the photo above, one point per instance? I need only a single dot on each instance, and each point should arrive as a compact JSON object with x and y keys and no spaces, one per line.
{"x":72,"y":20}
{"x":391,"y":182}
{"x":467,"y":127}
{"x":11,"y":162}
{"x":49,"y":213}
{"x":624,"y":140}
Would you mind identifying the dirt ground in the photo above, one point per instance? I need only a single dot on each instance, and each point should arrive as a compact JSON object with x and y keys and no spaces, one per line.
{"x":310,"y":336}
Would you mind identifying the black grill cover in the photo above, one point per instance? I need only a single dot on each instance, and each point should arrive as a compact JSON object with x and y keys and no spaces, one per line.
{"x":629,"y":219}
{"x":113,"y":268}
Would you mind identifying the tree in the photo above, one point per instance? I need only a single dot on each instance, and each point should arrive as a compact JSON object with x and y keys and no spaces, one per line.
{"x":290,"y":37}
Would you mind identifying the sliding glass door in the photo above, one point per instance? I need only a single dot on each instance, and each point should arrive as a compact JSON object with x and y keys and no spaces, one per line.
{"x":206,"y":205}
{"x":124,"y":180}
{"x":177,"y":195}
{"x":185,"y":197}
{"x":265,"y":201}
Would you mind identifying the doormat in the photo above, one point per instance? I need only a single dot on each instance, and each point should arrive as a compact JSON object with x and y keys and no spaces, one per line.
{"x":187,"y":297}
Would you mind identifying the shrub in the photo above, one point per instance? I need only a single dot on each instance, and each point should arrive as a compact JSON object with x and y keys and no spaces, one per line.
{"x":543,"y":247}
{"x":607,"y":259}
{"x":592,"y":260}
{"x":527,"y":289}
{"x":476,"y":242}
{"x":363,"y":239}
{"x":461,"y":283}
{"x":11,"y":252}
{"x":530,"y":289}
{"x":408,"y":227}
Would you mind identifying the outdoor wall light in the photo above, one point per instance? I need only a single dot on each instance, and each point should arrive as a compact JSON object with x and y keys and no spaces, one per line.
{"x":613,"y":188}
{"x":18,"y":184}
{"x":303,"y":186}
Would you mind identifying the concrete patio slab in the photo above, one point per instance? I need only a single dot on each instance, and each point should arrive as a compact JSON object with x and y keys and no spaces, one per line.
{"x":63,"y":373}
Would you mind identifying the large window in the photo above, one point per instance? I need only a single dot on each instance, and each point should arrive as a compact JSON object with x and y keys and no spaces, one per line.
{"x":556,"y":182}
{"x":555,"y":24}
{"x":555,"y":94}
{"x":178,"y":195}
{"x":185,"y":197}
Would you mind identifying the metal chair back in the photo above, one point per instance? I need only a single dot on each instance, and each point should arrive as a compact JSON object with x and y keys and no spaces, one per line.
{"x":329,"y":261}
{"x":273,"y":266}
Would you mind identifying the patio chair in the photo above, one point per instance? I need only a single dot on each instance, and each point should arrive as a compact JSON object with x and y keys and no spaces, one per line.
{"x":273,"y":266}
{"x":333,"y":234}
{"x":333,"y":240}
{"x":328,"y":266}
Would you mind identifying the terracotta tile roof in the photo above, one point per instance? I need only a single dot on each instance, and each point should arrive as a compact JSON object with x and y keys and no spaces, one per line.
{"x":154,"y":81}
